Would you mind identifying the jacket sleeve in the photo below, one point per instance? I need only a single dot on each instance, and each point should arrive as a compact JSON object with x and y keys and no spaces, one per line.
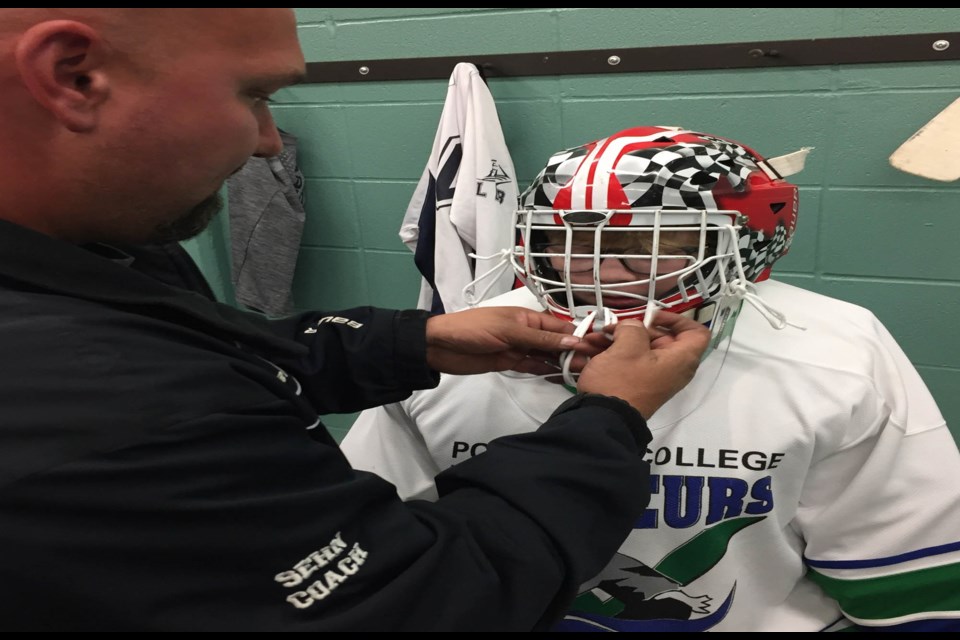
{"x":358,"y":358}
{"x":242,"y":522}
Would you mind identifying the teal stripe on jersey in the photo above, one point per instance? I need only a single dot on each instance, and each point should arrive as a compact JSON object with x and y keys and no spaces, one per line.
{"x":887,"y":597}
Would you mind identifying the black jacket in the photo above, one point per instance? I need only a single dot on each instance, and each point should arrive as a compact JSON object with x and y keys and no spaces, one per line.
{"x":162,"y":467}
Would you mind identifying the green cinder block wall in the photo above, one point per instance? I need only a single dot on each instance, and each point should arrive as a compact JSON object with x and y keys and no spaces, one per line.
{"x":867,"y":233}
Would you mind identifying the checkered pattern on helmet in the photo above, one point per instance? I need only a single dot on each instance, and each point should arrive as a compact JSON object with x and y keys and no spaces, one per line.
{"x":757,"y":251}
{"x":542,"y":192}
{"x":681,"y":175}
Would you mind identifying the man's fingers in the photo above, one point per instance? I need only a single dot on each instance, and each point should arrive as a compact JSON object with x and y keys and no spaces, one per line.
{"x":544,"y":340}
{"x":593,"y":344}
{"x":543,"y":320}
{"x":685,"y":332}
{"x":631,"y":334}
{"x":677,"y":324}
{"x":670,"y":328}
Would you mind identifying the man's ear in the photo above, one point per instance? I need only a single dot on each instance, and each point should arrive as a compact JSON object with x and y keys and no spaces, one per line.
{"x":61,"y":63}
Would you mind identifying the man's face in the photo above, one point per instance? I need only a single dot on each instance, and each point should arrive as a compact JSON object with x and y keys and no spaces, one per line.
{"x":677,"y":250}
{"x":192,"y":117}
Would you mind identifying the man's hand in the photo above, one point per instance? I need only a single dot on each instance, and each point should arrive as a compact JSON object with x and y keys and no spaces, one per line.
{"x":647,"y":368}
{"x":497,"y":339}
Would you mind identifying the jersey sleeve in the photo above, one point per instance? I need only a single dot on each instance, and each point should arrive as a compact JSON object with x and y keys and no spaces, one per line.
{"x":881,"y":513}
{"x":385,"y":441}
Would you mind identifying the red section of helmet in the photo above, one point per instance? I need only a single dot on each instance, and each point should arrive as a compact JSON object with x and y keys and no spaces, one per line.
{"x":766,"y":203}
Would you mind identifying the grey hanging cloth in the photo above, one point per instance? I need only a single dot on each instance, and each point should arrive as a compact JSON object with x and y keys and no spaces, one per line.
{"x":265,"y":201}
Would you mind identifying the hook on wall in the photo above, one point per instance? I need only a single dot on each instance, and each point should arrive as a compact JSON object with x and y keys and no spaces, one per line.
{"x":484,"y":68}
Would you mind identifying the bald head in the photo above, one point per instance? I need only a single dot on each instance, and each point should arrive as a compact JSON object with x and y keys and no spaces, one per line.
{"x":134,"y":117}
{"x":143,"y":29}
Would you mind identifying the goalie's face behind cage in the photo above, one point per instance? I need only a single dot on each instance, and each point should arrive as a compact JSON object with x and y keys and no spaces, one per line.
{"x":650,"y":216}
{"x":626,"y":265}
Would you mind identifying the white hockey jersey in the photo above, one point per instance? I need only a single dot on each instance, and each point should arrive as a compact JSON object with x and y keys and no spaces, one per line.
{"x":807,"y":482}
{"x":465,"y":199}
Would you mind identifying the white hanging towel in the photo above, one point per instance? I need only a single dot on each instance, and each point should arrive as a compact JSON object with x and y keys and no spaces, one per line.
{"x":465,"y":199}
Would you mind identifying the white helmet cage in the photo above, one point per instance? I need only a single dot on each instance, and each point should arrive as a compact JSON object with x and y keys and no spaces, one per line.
{"x":650,"y":181}
{"x":698,"y":276}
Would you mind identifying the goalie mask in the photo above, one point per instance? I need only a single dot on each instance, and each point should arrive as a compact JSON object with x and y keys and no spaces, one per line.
{"x":651,"y":217}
